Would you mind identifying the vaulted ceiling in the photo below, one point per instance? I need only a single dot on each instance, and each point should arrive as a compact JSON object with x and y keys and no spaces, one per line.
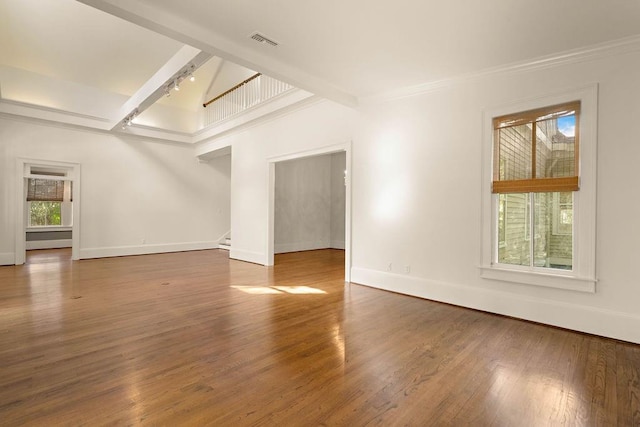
{"x":93,"y":56}
{"x":71,"y":58}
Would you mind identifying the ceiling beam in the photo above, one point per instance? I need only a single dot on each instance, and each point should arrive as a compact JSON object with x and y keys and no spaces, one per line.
{"x":205,"y":39}
{"x":154,"y":88}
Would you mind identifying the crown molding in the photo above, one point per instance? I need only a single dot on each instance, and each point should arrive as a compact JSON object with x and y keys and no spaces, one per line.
{"x":25,"y":109}
{"x":276,"y":107}
{"x":588,"y":53}
{"x":28,"y":113}
{"x":152,"y":132}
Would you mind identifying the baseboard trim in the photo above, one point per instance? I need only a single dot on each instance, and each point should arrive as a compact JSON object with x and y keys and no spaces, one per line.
{"x":337,"y":244}
{"x":145,"y":249}
{"x":49,"y":244}
{"x":592,"y":320}
{"x":7,"y":258}
{"x":248,"y":256}
{"x":282,"y":248}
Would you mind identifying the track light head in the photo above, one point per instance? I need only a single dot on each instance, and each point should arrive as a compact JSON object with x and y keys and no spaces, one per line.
{"x":128,"y":121}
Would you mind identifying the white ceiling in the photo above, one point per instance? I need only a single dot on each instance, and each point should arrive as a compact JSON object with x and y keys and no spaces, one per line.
{"x":362,"y":48}
{"x":70,"y":41}
{"x":106,"y":51}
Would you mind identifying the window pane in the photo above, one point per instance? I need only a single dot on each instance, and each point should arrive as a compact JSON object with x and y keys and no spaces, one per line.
{"x":513,"y":224}
{"x":555,"y":147}
{"x":553,"y":225}
{"x":515,"y":152}
{"x":44,"y":213}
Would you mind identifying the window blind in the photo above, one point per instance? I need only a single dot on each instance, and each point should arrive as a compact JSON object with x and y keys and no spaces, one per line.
{"x":537,"y":151}
{"x":45,"y":190}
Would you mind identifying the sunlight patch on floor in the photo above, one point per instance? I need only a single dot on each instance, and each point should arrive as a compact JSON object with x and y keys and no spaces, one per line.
{"x":299,"y":290}
{"x":256,"y":290}
{"x":262,"y":290}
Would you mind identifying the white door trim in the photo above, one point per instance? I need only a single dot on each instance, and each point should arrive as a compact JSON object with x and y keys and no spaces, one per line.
{"x":22,"y":172}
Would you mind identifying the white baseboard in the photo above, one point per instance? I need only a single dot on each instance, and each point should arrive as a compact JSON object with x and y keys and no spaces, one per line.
{"x":222,"y":238}
{"x":49,"y":244}
{"x":337,"y":244}
{"x":607,"y":323}
{"x":281,"y":248}
{"x":7,"y":258}
{"x":248,"y":256}
{"x":145,"y":249}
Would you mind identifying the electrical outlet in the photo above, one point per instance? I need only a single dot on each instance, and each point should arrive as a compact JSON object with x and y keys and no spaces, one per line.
{"x":389,"y":267}
{"x":407,"y":269}
{"x":144,"y":241}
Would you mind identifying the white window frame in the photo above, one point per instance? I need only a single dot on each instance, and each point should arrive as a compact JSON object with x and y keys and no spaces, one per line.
{"x":583,"y":275}
{"x":557,"y":217}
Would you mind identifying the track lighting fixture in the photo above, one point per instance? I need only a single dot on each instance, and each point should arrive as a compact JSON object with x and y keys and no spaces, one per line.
{"x":174,"y":82}
{"x":128,"y":121}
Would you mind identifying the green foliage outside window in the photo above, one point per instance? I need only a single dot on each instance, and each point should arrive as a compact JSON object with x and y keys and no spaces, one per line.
{"x":45,"y":213}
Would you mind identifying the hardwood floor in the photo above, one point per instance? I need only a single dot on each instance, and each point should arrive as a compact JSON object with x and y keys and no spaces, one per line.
{"x":196,"y":339}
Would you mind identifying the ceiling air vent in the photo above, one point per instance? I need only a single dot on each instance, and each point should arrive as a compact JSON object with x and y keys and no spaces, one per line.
{"x":262,"y":39}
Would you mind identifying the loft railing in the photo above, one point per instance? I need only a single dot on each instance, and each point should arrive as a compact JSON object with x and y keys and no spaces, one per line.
{"x":251,"y":92}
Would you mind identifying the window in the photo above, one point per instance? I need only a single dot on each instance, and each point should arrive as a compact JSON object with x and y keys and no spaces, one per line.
{"x":46,"y":199}
{"x":539,"y":192}
{"x":535,"y":152}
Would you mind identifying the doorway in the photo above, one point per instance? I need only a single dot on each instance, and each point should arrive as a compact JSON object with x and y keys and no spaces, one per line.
{"x":48,"y":256}
{"x":39,"y":182}
{"x":310,"y":203}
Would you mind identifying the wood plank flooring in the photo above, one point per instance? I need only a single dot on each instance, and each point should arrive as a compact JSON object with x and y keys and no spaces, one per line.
{"x":196,"y":339}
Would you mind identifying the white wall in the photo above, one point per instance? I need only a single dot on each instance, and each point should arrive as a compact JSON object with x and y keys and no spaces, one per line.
{"x":417,"y":197}
{"x":309,"y":203}
{"x":416,"y":192}
{"x":311,"y":128}
{"x":132,"y":191}
{"x":168,"y":117}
